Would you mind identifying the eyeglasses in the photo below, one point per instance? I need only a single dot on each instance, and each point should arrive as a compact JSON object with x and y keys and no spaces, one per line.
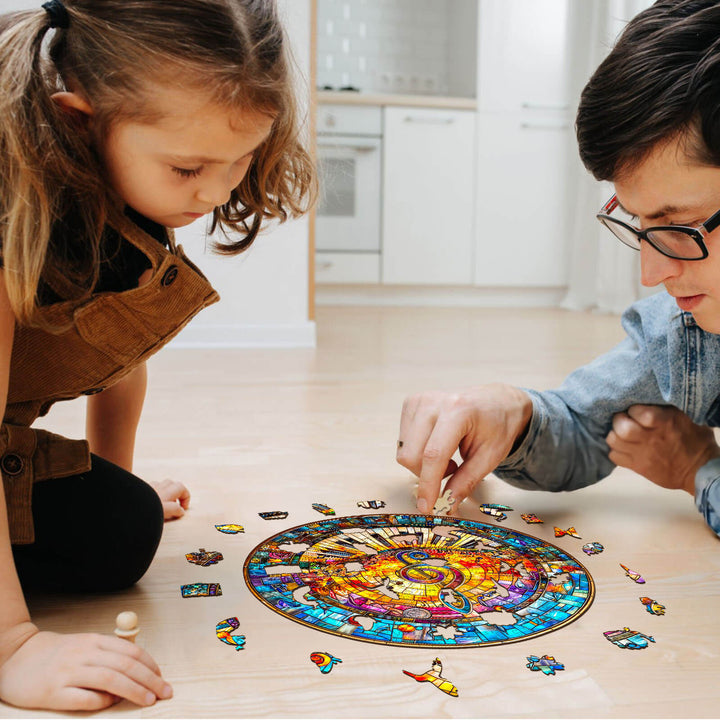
{"x":674,"y":241}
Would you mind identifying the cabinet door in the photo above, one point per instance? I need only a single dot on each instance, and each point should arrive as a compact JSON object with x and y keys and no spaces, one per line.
{"x":428,"y":196}
{"x":521,"y":200}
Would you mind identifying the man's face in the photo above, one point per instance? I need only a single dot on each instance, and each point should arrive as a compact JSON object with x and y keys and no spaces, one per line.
{"x":669,"y":189}
{"x":185,"y":165}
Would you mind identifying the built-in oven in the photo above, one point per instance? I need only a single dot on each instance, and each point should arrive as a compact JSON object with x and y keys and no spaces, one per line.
{"x":348,"y":219}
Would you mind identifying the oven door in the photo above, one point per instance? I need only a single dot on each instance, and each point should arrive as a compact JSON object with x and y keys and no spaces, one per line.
{"x":348,"y":212}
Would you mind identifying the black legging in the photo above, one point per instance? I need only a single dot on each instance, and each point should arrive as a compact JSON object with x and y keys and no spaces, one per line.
{"x":94,"y":532}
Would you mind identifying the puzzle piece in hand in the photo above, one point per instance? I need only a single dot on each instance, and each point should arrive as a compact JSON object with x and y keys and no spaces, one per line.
{"x":324,"y":509}
{"x":495,"y":510}
{"x":628,"y":639}
{"x":224,"y":631}
{"x":325,"y":661}
{"x":230,"y":528}
{"x":530,"y":518}
{"x":444,"y":503}
{"x":632,"y":574}
{"x":570,"y":531}
{"x":201,"y":590}
{"x":371,"y":504}
{"x":653,"y":606}
{"x":592,"y":548}
{"x":273,"y":515}
{"x":434,"y":676}
{"x":547,"y":664}
{"x":203,"y":557}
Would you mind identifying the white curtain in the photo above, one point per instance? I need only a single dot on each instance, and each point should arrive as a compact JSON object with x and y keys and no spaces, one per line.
{"x":603,"y":273}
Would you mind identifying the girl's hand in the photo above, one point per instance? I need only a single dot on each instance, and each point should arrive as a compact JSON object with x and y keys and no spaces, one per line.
{"x":175,"y":498}
{"x":80,"y":672}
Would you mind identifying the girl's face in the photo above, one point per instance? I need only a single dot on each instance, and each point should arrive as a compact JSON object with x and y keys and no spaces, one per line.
{"x":181,"y":167}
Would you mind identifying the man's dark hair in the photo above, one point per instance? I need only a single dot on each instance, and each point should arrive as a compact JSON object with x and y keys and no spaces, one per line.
{"x":661,"y":81}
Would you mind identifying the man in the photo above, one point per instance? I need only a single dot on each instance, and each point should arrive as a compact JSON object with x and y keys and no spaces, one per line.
{"x":648,"y":121}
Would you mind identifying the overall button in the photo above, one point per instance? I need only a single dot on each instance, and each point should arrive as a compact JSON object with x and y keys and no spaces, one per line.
{"x":93,"y":391}
{"x":169,"y":277}
{"x":12,"y":464}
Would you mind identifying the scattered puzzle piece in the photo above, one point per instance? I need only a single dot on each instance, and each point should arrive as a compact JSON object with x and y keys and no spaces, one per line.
{"x":201,"y":590}
{"x":530,"y":518}
{"x":495,"y":510}
{"x":433,"y":676}
{"x":273,"y":515}
{"x":371,"y":504}
{"x":224,"y":630}
{"x":324,"y":509}
{"x":325,"y":661}
{"x":628,"y":639}
{"x":444,"y":503}
{"x":547,"y":664}
{"x":230,"y":529}
{"x":203,"y":557}
{"x":570,"y":531}
{"x":653,"y":606}
{"x":592,"y":548}
{"x":632,"y":574}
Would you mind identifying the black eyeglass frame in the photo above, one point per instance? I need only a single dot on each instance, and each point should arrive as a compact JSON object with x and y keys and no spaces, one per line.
{"x":696,"y":233}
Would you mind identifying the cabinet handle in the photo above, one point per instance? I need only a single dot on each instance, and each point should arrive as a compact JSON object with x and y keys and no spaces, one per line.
{"x":544,"y":126}
{"x":429,"y":121}
{"x":545,"y":106}
{"x":323,"y":265}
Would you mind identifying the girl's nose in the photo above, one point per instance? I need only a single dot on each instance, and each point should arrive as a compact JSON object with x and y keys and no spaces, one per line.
{"x":656,"y":268}
{"x":216,"y":193}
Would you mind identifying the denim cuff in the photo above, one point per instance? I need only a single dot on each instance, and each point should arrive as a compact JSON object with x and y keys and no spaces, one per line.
{"x":707,"y":493}
{"x":516,"y":459}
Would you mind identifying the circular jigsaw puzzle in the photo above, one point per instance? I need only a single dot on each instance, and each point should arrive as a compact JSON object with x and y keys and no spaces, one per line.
{"x":419,"y":580}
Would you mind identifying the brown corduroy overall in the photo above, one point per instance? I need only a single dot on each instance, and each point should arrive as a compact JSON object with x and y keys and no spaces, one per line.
{"x":108,"y":336}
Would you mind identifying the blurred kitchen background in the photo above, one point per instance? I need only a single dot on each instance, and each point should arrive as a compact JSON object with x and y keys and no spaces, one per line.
{"x":449,"y":171}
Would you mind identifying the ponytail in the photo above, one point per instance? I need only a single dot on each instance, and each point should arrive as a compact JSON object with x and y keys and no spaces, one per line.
{"x":44,"y":164}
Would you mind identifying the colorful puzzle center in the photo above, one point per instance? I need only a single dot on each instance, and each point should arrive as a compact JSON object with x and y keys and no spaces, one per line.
{"x":419,"y":580}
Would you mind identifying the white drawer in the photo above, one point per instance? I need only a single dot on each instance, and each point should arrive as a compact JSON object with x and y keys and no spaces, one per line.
{"x":347,"y":267}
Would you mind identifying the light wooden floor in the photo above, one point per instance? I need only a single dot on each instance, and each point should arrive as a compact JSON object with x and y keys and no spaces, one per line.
{"x":250,"y":431}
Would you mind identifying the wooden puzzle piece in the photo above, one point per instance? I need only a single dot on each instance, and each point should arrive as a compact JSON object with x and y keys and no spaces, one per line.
{"x":325,"y":661}
{"x":435,"y":677}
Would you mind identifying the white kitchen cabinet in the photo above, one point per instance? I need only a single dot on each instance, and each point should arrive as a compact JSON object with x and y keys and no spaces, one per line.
{"x":524,"y":136}
{"x":428,"y":196}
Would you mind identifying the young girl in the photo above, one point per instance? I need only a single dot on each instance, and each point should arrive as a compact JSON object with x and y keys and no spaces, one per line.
{"x":120,"y":120}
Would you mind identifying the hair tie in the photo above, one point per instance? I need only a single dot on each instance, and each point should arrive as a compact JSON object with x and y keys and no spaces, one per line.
{"x":57,"y":14}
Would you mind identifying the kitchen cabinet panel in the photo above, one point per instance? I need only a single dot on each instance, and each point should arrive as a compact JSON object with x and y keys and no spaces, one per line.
{"x":428,"y":196}
{"x":521,"y":200}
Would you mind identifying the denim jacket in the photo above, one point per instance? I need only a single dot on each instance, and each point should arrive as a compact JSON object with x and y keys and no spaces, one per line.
{"x":666,"y":359}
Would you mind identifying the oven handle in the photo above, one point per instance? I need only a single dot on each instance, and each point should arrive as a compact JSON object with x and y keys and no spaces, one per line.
{"x":358,"y":146}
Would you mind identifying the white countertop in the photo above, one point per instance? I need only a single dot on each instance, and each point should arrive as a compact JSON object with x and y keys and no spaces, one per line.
{"x":337,"y":97}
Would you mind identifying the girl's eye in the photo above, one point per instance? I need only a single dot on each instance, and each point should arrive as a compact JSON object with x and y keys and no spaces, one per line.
{"x":187,"y":172}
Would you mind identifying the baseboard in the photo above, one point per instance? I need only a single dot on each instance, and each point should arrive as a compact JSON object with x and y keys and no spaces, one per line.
{"x":246,"y":336}
{"x":440,"y":296}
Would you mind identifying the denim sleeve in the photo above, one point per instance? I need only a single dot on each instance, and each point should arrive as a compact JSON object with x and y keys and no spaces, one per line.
{"x":707,"y":493}
{"x":565,"y":446}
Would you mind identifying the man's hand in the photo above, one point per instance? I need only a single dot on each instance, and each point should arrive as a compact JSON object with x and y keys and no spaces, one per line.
{"x":661,"y":443}
{"x":80,"y":672}
{"x":482,"y":423}
{"x":175,"y":498}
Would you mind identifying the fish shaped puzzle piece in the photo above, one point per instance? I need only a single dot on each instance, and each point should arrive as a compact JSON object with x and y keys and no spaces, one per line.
{"x":322,"y":508}
{"x":224,"y":631}
{"x":632,"y":574}
{"x":325,"y":661}
{"x":592,"y":548}
{"x":434,"y":676}
{"x":530,"y":518}
{"x":653,"y":606}
{"x":495,"y":510}
{"x":230,"y":528}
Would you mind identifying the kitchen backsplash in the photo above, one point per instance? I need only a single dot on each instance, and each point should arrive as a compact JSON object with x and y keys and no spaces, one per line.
{"x":388,"y":46}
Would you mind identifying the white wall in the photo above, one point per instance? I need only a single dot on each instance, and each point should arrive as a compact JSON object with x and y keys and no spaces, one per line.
{"x":265,"y":290}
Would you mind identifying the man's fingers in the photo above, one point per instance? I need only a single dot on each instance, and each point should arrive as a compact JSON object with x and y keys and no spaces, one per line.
{"x":626,"y":428}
